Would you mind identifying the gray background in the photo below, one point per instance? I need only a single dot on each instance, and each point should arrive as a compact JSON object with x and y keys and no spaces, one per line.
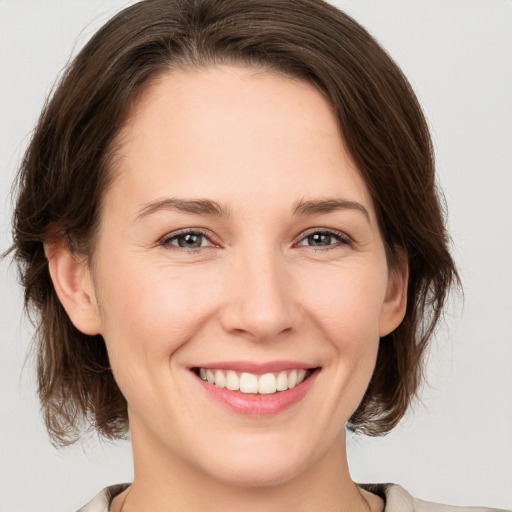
{"x":456,"y":446}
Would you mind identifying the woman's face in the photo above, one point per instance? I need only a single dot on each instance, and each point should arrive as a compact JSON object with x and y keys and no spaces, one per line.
{"x":239,"y":240}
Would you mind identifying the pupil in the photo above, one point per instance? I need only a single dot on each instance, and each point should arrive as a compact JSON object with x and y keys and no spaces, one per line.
{"x":190,"y":241}
{"x":319,"y":239}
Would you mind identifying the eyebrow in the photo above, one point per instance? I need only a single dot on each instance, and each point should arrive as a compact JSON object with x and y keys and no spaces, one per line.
{"x":213,"y":208}
{"x":316,"y":206}
{"x":197,"y":206}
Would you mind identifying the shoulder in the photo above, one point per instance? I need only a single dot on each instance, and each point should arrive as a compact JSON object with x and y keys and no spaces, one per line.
{"x":101,"y":502}
{"x":399,"y":500}
{"x":396,"y":497}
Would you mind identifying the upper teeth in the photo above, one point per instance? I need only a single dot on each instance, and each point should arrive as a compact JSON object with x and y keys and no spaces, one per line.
{"x":251,"y":383}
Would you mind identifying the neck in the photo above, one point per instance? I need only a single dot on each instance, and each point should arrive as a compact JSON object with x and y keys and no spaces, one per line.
{"x":162,"y":479}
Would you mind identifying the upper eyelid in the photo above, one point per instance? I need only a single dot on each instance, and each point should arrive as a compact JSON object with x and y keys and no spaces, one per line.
{"x":323,"y":230}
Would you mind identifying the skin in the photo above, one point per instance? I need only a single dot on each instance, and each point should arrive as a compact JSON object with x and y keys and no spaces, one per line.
{"x":256,"y":289}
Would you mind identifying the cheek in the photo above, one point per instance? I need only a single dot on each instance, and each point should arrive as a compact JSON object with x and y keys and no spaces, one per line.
{"x":346,"y":302}
{"x":347,"y":309}
{"x":147,"y":316}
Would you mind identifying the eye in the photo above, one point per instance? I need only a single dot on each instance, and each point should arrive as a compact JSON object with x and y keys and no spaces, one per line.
{"x":187,"y":240}
{"x":324,"y":238}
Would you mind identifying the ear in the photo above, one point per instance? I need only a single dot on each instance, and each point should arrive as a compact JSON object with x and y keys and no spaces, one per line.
{"x":73,"y":283}
{"x":395,"y":302}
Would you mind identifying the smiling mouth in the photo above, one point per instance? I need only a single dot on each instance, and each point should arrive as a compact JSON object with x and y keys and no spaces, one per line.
{"x":250,"y":383}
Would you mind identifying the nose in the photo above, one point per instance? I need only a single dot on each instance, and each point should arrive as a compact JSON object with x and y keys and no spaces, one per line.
{"x":260,"y":303}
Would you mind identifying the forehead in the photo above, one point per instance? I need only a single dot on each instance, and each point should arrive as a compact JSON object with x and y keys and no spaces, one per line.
{"x":229,"y":131}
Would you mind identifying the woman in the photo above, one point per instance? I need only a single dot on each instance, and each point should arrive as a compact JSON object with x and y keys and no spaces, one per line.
{"x":230,"y":227}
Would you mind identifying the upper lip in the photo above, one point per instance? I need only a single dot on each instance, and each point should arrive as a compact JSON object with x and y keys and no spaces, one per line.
{"x":257,"y":368}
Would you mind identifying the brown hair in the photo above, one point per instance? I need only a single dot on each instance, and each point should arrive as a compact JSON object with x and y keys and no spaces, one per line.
{"x":66,"y":170}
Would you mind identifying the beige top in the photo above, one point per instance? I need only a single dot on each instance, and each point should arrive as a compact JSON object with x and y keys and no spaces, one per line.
{"x":396,"y":497}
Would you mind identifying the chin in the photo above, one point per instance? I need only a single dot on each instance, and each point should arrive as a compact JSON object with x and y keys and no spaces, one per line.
{"x":260,"y":465}
{"x":247,"y":473}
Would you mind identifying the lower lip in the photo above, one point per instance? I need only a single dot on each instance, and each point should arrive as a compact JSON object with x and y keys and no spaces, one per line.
{"x":259,"y":405}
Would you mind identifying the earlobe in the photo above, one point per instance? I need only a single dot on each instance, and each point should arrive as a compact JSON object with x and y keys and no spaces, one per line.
{"x":73,"y":284}
{"x":395,"y":302}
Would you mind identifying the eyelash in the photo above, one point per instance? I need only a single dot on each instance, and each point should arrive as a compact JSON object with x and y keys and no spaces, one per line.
{"x":342,"y":239}
{"x":166,"y":241}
